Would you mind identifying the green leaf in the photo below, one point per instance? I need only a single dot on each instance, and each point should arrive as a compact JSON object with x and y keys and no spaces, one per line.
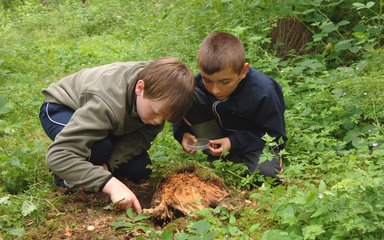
{"x":256,"y":3}
{"x":320,"y":146}
{"x":369,"y":129}
{"x":128,"y":225}
{"x":352,"y":134}
{"x":276,"y":235}
{"x":232,"y":218}
{"x":144,"y":227}
{"x":322,"y":186}
{"x":4,"y":200}
{"x":308,"y":11}
{"x":311,"y":197}
{"x":361,"y":65}
{"x":343,"y":45}
{"x":359,"y":5}
{"x":338,"y":92}
{"x":19,"y":232}
{"x":328,"y":27}
{"x":307,"y":111}
{"x":14,"y":161}
{"x":167,"y":234}
{"x":354,"y":49}
{"x":141,"y":217}
{"x":313,"y":231}
{"x":3,"y":106}
{"x":288,"y":215}
{"x":357,"y":142}
{"x":181,"y":236}
{"x":27,"y":208}
{"x":201,"y":227}
{"x":370,"y":4}
{"x":130,"y":213}
{"x":254,"y":227}
{"x":320,"y":211}
{"x":232,"y":230}
{"x":342,"y":23}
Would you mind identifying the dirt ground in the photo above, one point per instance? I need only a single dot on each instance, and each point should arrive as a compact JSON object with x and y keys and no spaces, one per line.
{"x":82,"y":215}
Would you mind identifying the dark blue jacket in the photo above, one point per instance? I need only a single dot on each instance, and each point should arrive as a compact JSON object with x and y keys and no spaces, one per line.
{"x":255,"y":107}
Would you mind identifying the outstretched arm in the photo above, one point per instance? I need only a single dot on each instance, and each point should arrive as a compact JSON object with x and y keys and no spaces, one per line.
{"x":121,"y":195}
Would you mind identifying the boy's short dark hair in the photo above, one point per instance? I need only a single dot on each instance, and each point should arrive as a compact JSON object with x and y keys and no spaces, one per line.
{"x":171,"y":80}
{"x":220,"y":50}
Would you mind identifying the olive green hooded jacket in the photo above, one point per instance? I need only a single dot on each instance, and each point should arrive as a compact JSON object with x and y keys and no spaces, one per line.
{"x":104,"y":101}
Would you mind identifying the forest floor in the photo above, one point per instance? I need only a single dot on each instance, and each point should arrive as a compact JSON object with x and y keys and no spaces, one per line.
{"x":85,"y":215}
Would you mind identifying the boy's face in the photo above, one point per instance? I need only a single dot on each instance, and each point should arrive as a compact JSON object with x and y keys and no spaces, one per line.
{"x":221,"y":84}
{"x":149,"y":110}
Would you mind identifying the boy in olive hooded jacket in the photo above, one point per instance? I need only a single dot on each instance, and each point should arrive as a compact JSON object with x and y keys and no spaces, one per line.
{"x":102,"y":121}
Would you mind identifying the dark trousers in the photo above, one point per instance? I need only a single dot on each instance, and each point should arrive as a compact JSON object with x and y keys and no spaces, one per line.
{"x":54,"y":117}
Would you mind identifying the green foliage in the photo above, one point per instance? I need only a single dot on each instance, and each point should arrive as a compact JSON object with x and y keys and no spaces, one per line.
{"x":217,"y":223}
{"x":333,"y":96}
{"x":349,"y":209}
{"x":133,"y":223}
{"x":237,"y":175}
{"x":343,"y":31}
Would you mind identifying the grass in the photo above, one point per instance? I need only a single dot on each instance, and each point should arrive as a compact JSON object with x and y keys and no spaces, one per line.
{"x":334,"y":116}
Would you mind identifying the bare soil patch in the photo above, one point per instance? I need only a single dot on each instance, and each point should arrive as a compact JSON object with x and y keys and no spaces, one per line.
{"x":84,"y":215}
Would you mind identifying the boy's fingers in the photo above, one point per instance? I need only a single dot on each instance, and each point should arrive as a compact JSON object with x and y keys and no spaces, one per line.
{"x":215,"y":152}
{"x":123,"y":205}
{"x":136,"y":206}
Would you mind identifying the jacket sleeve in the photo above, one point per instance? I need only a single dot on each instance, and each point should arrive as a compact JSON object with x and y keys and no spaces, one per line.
{"x":269,"y":117}
{"x":179,"y":129}
{"x":68,"y":155}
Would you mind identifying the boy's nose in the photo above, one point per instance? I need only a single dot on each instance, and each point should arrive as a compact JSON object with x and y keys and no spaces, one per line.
{"x":215,"y":90}
{"x":159,"y":120}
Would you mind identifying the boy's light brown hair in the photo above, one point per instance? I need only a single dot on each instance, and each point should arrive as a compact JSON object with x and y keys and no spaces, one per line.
{"x":220,"y":50}
{"x":171,"y":80}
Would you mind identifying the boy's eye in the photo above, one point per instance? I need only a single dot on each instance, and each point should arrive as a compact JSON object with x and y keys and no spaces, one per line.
{"x":206,"y":81}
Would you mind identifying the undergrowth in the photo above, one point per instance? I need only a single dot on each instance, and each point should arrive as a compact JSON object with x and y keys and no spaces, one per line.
{"x":334,"y":108}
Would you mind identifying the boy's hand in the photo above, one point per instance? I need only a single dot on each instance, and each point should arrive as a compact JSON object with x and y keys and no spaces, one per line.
{"x":121,"y":195}
{"x":218,"y":146}
{"x":187,"y":138}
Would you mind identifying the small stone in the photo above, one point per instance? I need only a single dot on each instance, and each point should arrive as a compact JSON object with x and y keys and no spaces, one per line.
{"x":90,"y":228}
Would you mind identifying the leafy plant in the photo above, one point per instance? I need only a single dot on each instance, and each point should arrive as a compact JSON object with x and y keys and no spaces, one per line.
{"x":341,"y":33}
{"x":334,"y":109}
{"x":133,"y":223}
{"x":338,"y":212}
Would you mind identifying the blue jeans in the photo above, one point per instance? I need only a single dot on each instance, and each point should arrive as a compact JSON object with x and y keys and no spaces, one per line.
{"x":54,"y":117}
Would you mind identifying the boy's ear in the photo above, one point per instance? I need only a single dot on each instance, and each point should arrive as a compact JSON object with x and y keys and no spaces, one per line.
{"x":139,"y":88}
{"x":245,"y":70}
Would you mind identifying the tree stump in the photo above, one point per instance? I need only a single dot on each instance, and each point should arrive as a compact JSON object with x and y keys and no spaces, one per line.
{"x":290,"y":34}
{"x":183,"y":193}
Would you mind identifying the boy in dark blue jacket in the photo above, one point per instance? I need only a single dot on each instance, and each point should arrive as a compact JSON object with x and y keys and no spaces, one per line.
{"x":234,"y":106}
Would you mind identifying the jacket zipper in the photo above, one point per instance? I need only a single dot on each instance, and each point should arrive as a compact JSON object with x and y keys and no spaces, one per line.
{"x":214,"y":106}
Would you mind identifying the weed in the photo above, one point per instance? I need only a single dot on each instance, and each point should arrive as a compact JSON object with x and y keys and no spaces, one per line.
{"x":334,"y":108}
